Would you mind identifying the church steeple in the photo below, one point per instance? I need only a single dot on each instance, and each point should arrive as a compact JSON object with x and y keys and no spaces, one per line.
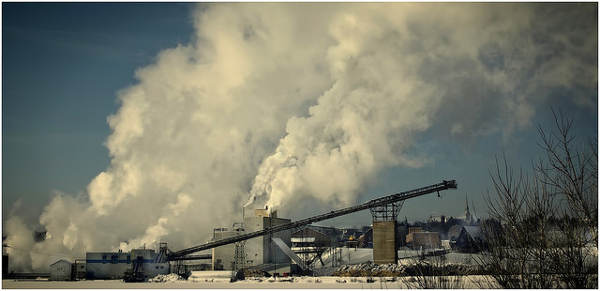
{"x":468,"y":218}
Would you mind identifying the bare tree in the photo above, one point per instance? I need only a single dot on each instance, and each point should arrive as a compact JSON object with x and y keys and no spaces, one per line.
{"x":570,"y":171}
{"x":433,"y":274}
{"x":547,"y":221}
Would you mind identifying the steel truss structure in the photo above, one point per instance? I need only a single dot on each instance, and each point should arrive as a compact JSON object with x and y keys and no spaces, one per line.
{"x":372,"y":204}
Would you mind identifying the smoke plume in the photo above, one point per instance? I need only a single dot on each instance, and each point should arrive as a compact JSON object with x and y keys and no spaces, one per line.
{"x":285,"y":102}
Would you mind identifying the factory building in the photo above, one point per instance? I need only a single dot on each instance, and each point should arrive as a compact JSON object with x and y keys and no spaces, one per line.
{"x":223,"y":256}
{"x":262,"y":250}
{"x":106,"y":265}
{"x":151,"y":264}
{"x":112,"y":265}
{"x":256,"y":251}
{"x":60,"y":271}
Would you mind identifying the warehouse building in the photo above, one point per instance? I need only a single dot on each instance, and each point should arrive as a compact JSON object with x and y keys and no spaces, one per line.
{"x":106,"y":265}
{"x":151,"y":265}
{"x":60,"y":271}
{"x":112,"y":265}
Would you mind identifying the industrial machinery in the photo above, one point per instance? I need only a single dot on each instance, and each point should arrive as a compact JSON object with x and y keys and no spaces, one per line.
{"x":372,"y":204}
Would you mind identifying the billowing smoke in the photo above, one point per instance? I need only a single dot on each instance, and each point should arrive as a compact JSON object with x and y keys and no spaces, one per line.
{"x":398,"y":70}
{"x":286,"y":102}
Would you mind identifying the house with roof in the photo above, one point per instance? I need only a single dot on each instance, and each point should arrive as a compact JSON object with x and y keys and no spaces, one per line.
{"x":470,"y":239}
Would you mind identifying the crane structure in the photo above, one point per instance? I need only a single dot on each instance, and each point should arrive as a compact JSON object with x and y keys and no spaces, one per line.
{"x":371,"y":204}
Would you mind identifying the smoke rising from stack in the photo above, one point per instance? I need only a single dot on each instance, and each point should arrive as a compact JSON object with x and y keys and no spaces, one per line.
{"x":308,"y":101}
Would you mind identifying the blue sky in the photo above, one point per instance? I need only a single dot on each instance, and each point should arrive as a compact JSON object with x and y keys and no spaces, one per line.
{"x":63,"y":65}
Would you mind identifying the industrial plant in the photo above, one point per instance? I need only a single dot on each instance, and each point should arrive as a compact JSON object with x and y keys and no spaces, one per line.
{"x":266,"y":247}
{"x":264,"y":243}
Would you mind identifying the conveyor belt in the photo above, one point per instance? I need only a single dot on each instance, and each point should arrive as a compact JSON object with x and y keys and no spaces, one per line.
{"x":370,"y":204}
{"x":190,"y":258}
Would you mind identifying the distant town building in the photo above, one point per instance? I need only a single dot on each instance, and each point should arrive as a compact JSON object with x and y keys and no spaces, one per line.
{"x":401,"y":232}
{"x":470,"y":219}
{"x":470,"y":239}
{"x":426,"y":240}
{"x":454,"y":232}
{"x":445,"y":244}
{"x":437,"y":218}
{"x":415,"y":229}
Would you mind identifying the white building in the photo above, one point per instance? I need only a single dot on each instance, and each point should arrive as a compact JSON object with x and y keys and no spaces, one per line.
{"x":257,"y":251}
{"x":151,"y":267}
{"x":262,"y":250}
{"x":112,"y":265}
{"x":107,"y":265}
{"x":60,"y":270}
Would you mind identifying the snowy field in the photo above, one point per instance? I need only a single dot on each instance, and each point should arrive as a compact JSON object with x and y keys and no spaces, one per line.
{"x":220,"y":283}
{"x":352,"y":256}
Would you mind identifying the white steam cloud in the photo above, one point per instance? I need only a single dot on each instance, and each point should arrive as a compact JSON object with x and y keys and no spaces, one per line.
{"x":294,"y":101}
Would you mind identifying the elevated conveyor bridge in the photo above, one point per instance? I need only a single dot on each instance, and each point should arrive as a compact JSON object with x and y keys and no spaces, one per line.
{"x":444,"y":185}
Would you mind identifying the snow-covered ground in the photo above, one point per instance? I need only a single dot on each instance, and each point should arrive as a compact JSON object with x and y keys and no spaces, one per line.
{"x":352,"y":256}
{"x":347,"y":256}
{"x":449,"y":258}
{"x":249,"y":283}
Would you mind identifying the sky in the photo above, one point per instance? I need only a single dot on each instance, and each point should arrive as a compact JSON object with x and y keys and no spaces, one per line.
{"x":63,"y":65}
{"x":125,"y":124}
